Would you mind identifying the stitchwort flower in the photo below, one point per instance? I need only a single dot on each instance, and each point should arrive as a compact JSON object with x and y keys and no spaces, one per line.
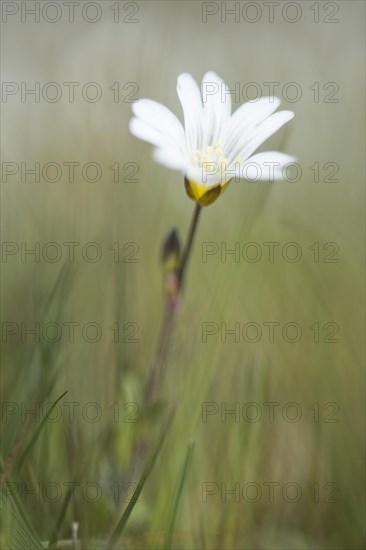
{"x":214,"y":145}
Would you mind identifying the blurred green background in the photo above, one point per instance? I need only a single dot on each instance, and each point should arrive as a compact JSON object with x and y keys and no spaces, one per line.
{"x":170,"y":38}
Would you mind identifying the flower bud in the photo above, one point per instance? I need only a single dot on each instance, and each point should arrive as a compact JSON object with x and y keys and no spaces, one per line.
{"x":171,"y":251}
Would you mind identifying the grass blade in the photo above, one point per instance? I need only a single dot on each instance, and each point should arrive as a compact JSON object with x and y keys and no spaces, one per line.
{"x":145,"y":474}
{"x":54,"y":537}
{"x":37,"y":433}
{"x":16,"y":531}
{"x":178,"y":497}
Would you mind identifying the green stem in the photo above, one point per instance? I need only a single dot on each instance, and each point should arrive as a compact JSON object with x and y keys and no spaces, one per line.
{"x":157,"y":368}
{"x":188,"y":247}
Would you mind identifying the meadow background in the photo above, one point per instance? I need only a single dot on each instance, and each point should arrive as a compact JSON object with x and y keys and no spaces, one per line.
{"x":170,"y":38}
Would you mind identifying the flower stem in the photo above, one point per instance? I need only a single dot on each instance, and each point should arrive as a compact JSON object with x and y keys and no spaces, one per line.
{"x":157,"y":368}
{"x":162,"y":350}
{"x":188,"y":247}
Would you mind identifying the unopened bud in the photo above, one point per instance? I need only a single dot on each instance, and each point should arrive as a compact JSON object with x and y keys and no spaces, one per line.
{"x":171,"y":251}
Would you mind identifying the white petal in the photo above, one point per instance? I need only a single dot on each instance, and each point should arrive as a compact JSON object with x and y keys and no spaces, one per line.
{"x":190,"y":98}
{"x":170,"y":158}
{"x":253,"y":138}
{"x":144,"y":131}
{"x":247,"y":116}
{"x":266,"y":166}
{"x":217,"y":107}
{"x":161,"y":119}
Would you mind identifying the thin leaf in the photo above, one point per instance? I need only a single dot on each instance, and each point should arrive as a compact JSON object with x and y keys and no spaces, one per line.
{"x":178,"y":496}
{"x":29,"y":447}
{"x":54,"y":537}
{"x":19,"y":534}
{"x":147,"y":470}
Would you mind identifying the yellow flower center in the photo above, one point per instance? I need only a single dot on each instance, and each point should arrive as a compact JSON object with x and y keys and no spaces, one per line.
{"x":211,"y":161}
{"x":209,"y":158}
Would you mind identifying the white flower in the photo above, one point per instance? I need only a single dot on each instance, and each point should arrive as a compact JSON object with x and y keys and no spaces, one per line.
{"x":215,"y":145}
